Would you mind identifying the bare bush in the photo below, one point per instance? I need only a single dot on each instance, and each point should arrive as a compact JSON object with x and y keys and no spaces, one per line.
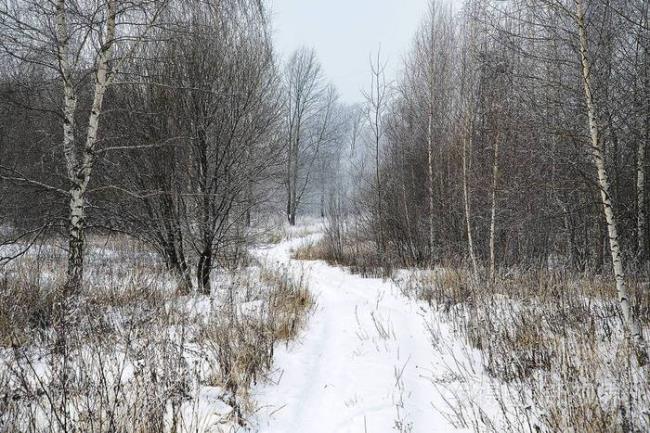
{"x":136,"y":356}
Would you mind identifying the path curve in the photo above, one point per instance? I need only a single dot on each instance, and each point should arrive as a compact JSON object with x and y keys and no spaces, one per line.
{"x":362,"y":364}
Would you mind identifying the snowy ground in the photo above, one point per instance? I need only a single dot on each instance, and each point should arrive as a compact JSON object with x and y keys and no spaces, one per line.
{"x":365,"y":363}
{"x":369,"y":359}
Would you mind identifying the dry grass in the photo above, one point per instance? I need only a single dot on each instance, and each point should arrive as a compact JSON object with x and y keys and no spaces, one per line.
{"x":242,"y":339}
{"x":556,"y":339}
{"x":26,"y":310}
{"x":123,"y":281}
{"x":289,"y":302}
{"x":312,"y":251}
{"x":136,"y":354}
{"x":359,"y":257}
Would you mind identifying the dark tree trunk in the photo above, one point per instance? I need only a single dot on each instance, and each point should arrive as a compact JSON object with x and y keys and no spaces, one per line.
{"x":175,"y":262}
{"x":203,"y":271}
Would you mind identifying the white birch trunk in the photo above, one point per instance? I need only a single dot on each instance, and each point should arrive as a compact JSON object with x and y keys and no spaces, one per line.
{"x":467,"y":145}
{"x":69,"y":95}
{"x":598,"y":156}
{"x":69,"y":148}
{"x":431,"y":78}
{"x":407,"y":215}
{"x":640,"y":200}
{"x":493,"y":216}
{"x":468,"y":92}
{"x":641,"y":170}
{"x":79,"y":173}
{"x":431,"y":179}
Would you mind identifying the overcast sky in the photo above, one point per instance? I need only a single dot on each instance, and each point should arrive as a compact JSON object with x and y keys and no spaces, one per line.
{"x":344,"y":33}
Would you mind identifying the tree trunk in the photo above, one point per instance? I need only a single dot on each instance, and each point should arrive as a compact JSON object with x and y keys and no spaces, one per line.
{"x":290,"y":184}
{"x":431,"y":203}
{"x":642,"y":241}
{"x":203,"y":271}
{"x":640,"y":201}
{"x":467,"y":145}
{"x":76,"y":242}
{"x":293,"y":170}
{"x":380,"y":219}
{"x":291,"y":205}
{"x":412,"y":237}
{"x":493,"y":216}
{"x":79,"y":172}
{"x":322,"y":195}
{"x":183,"y":268}
{"x":598,"y":156}
{"x":176,"y":263}
{"x":601,"y":243}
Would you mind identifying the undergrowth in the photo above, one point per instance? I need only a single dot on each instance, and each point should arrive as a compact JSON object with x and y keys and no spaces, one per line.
{"x":556,"y":342}
{"x":131,"y":354}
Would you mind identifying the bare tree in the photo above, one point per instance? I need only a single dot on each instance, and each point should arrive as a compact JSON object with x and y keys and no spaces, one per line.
{"x":74,"y":40}
{"x":469,"y":95}
{"x":211,"y":105}
{"x":310,"y":109}
{"x":598,"y":155}
{"x":377,"y":100}
{"x":642,"y":93}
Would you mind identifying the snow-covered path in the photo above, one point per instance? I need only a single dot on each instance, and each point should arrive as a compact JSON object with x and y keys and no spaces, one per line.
{"x":363,"y":363}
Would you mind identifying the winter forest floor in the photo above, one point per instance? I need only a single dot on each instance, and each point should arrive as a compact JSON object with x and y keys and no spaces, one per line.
{"x":291,"y":346}
{"x":430,"y":351}
{"x":366,"y":361}
{"x":361,"y":365}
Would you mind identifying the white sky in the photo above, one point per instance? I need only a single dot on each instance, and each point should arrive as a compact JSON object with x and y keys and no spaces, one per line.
{"x":345,"y":33}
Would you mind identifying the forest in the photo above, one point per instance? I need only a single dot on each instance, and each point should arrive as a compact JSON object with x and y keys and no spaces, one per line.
{"x":197,"y":234}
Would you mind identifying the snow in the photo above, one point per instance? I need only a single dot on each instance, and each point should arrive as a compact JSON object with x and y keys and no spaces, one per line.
{"x":370,"y":359}
{"x":206,"y":412}
{"x":365,"y":362}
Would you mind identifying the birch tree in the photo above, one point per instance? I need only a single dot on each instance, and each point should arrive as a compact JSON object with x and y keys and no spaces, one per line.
{"x":469,"y":94}
{"x":497,"y":66}
{"x":598,"y":155}
{"x":642,"y":87}
{"x":434,"y":50}
{"x":72,"y":39}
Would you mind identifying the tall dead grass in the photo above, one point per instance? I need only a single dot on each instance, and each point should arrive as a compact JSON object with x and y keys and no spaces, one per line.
{"x":137,"y":357}
{"x":359,"y":257}
{"x":555,"y":339}
{"x":242,"y":338}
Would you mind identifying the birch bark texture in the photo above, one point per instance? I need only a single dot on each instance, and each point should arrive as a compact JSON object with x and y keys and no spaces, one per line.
{"x":81,"y":39}
{"x":642,"y":63}
{"x":79,"y":163}
{"x":598,"y":156}
{"x":468,"y":94}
